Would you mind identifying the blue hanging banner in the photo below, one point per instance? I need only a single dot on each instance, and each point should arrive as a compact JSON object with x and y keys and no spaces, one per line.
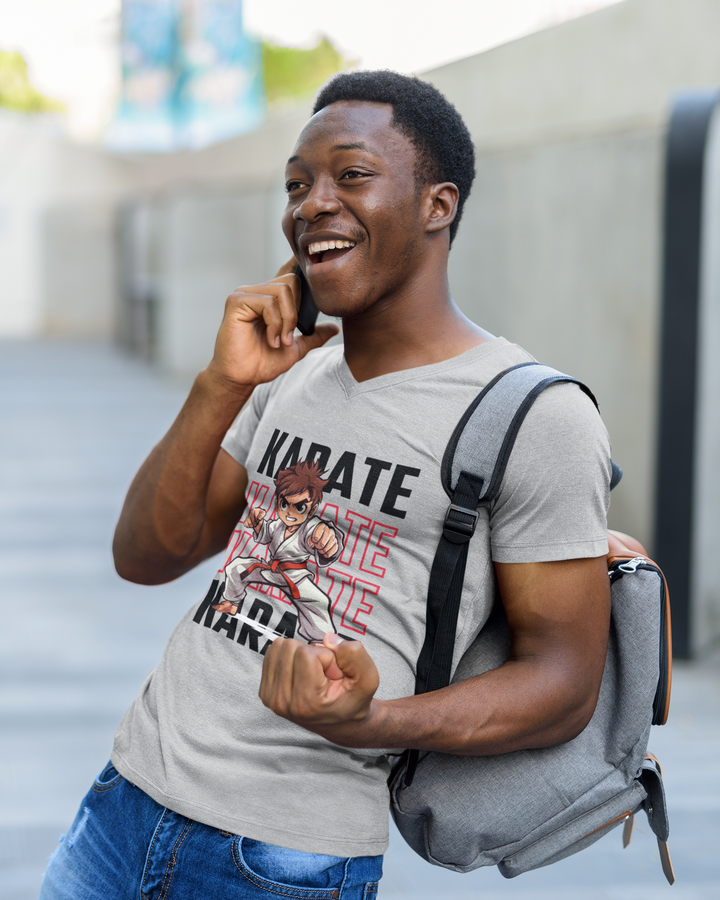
{"x":190,"y":76}
{"x":220,"y":90}
{"x":146,"y":116}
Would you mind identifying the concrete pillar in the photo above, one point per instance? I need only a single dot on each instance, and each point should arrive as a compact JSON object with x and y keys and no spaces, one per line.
{"x":705,"y":568}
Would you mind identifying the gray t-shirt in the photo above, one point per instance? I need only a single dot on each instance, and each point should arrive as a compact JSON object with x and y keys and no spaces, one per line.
{"x":198,"y":739}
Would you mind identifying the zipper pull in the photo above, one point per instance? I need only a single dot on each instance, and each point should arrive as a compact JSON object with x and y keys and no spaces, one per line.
{"x":631,"y":565}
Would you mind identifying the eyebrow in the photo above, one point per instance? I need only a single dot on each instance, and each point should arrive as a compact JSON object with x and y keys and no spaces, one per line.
{"x":337,"y":148}
{"x":358,"y":145}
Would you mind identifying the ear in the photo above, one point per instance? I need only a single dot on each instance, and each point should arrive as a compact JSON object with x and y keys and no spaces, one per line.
{"x":441,"y":201}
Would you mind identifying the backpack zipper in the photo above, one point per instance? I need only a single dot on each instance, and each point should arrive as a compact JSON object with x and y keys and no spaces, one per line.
{"x":631,"y":566}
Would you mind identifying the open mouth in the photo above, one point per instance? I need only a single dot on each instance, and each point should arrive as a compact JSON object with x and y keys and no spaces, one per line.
{"x":326,"y":251}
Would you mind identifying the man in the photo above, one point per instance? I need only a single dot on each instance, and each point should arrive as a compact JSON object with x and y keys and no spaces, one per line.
{"x":214,"y":791}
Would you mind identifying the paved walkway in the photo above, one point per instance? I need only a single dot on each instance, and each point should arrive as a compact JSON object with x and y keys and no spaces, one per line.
{"x":76,"y":641}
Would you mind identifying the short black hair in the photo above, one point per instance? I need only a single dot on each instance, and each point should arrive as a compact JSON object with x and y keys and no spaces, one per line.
{"x":442,"y":141}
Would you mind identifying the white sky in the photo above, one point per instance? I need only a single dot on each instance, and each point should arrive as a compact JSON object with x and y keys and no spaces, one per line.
{"x":71,"y":45}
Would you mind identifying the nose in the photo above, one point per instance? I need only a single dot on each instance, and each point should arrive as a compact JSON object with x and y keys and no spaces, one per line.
{"x":320,"y":200}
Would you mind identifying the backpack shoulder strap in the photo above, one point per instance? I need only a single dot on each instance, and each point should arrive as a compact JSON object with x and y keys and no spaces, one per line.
{"x":472,"y":471}
{"x":484,"y":437}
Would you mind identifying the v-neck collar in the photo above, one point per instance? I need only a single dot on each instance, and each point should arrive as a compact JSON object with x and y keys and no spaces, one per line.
{"x":353,"y":387}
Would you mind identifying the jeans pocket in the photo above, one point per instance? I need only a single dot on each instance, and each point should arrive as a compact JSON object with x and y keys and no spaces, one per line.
{"x":304,"y":874}
{"x":107,"y":779}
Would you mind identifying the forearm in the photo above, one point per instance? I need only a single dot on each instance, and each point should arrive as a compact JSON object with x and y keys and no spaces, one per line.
{"x":521,"y":705}
{"x":161,"y":532}
{"x":534,"y":700}
{"x":545,"y":694}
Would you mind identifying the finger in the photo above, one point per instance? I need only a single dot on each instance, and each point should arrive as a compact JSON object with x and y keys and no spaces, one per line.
{"x":331,"y":548}
{"x":289,"y":302}
{"x":287,"y":268}
{"x":274,"y":302}
{"x":245,"y":306}
{"x":355,"y":662}
{"x":267,"y":679}
{"x":331,"y":667}
{"x":275,"y":315}
{"x":309,"y":681}
{"x":307,"y":342}
{"x":274,"y":688}
{"x":325,"y":536}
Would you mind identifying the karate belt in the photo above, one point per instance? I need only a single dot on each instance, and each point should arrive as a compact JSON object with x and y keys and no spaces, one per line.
{"x":280,"y":568}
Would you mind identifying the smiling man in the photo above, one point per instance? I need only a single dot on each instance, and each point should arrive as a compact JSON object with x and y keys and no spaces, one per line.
{"x":254,"y":761}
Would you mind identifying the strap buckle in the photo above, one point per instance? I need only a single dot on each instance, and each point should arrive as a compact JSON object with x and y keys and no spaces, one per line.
{"x":459,"y":524}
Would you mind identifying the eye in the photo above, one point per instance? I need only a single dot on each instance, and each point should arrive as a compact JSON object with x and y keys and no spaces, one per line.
{"x":291,"y":186}
{"x":301,"y":507}
{"x":283,"y":504}
{"x":353,"y":175}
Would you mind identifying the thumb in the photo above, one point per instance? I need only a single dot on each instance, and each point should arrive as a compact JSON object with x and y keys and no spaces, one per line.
{"x":287,"y":268}
{"x":322,"y":334}
{"x":354,"y":661}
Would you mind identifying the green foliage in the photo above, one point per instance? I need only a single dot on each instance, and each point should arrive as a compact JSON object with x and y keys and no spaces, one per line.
{"x":292,"y":76}
{"x":16,"y":92}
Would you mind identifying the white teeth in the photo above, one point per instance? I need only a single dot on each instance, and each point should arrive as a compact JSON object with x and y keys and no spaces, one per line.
{"x":322,"y":246}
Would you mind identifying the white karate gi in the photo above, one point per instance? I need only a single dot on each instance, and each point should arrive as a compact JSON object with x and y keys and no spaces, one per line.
{"x":286,"y":570}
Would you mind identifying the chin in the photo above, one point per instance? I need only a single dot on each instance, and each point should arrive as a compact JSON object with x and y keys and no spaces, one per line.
{"x":340,"y":306}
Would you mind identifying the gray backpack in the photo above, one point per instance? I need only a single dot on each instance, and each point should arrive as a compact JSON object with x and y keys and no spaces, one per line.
{"x":530,"y":808}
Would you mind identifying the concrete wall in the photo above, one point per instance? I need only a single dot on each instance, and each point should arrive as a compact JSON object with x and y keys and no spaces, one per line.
{"x":57,"y":203}
{"x":79,"y":270}
{"x":560,"y":252}
{"x":208,"y":250}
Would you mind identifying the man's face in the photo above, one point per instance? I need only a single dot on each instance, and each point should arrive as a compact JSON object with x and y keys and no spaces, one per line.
{"x":293,"y":510}
{"x":351,"y":183}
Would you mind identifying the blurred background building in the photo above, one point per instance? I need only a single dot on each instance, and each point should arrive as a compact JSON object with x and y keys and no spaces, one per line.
{"x":138,"y":235}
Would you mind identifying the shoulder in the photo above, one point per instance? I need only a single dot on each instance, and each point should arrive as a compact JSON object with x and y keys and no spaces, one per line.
{"x":554,"y":497}
{"x":564,"y":411}
{"x":562,"y":436}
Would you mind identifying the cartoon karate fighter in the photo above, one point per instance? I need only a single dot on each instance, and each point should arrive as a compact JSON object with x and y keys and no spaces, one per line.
{"x":296,"y":536}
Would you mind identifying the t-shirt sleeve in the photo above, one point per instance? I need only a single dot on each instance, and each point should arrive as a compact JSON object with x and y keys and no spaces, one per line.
{"x":239,"y":436}
{"x":555,"y":495}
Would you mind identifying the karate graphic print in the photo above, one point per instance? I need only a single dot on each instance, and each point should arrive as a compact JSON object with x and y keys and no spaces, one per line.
{"x":294,"y":538}
{"x":298,"y":565}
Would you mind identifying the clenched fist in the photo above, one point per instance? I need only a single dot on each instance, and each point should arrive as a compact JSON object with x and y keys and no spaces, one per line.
{"x":255,"y":518}
{"x":323,"y":540}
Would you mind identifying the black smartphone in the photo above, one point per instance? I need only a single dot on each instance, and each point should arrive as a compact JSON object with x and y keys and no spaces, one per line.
{"x":307,"y":311}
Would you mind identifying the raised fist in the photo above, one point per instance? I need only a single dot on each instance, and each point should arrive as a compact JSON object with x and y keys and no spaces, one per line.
{"x":255,"y":518}
{"x":323,"y":540}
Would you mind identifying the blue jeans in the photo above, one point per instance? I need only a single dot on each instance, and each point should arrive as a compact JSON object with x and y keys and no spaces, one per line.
{"x":125,"y":846}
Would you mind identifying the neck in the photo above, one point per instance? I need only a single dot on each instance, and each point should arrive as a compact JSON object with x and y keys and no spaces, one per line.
{"x":419,"y":326}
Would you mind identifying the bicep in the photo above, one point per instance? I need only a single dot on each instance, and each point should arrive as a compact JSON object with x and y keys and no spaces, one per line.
{"x":559,"y":617}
